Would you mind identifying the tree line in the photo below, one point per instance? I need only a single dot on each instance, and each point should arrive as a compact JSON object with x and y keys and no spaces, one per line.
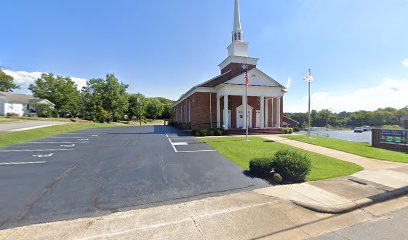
{"x":101,"y":100}
{"x":326,"y":118}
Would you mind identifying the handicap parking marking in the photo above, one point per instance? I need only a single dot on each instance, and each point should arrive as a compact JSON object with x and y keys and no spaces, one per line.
{"x":20,"y":163}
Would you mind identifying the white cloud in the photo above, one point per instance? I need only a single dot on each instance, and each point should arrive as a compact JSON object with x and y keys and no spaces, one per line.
{"x":390,"y":93}
{"x":288,"y":83}
{"x":405,"y":63}
{"x":24,"y":79}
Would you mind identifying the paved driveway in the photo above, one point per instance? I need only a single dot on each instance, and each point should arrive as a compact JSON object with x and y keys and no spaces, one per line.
{"x":99,"y":171}
{"x":23,"y":125}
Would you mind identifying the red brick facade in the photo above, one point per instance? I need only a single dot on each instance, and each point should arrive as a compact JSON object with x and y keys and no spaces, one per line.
{"x":194,"y":111}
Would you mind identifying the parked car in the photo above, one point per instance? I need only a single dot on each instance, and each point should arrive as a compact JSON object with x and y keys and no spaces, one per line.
{"x":358,"y":130}
{"x":366,"y":128}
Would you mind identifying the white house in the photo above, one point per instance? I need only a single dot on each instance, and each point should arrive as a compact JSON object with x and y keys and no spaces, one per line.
{"x":19,"y":104}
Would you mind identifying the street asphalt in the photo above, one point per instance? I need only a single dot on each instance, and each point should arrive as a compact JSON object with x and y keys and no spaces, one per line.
{"x":392,"y":227}
{"x":98,"y":171}
{"x":20,"y":125}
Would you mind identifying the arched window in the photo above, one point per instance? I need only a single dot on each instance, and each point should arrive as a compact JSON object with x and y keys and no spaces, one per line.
{"x":239,"y":36}
{"x":235,"y":36}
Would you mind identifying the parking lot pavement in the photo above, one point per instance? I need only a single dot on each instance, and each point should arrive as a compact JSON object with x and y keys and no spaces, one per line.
{"x":98,"y":171}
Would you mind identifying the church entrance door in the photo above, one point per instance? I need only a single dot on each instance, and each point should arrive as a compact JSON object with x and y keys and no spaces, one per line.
{"x":240,"y":117}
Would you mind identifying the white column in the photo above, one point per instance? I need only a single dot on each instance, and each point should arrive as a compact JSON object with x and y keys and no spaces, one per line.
{"x":244,"y":111}
{"x":262,"y":111}
{"x":218,"y":112}
{"x":273,"y":112}
{"x":226,"y":112}
{"x":278,"y":114}
{"x":267,"y":112}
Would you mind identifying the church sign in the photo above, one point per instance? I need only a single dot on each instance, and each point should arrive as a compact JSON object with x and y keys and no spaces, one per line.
{"x":393,"y":136}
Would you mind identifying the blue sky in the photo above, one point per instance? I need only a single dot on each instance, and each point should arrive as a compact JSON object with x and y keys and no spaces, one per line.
{"x":357,"y":50}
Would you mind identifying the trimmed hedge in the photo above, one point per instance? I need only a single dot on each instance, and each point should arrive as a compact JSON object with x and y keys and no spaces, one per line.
{"x":208,"y":132}
{"x":290,"y":165}
{"x":287,"y":130}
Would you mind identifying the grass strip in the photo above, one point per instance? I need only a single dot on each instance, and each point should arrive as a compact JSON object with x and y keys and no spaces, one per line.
{"x":241,"y":152}
{"x":360,"y":149}
{"x":12,"y":138}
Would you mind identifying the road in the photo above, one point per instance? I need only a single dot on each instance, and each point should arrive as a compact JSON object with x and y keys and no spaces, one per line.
{"x":392,"y":227}
{"x":348,"y":135}
{"x":99,"y":171}
{"x":21,"y":125}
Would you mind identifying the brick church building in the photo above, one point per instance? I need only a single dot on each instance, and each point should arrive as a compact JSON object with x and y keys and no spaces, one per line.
{"x":220,"y":102}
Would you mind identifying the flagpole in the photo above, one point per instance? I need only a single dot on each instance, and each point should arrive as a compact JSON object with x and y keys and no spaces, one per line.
{"x":246,"y":109}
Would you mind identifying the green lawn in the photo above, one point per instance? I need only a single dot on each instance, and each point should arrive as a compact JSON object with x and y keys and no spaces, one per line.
{"x":241,"y":152}
{"x":361,"y":149}
{"x":11,"y":138}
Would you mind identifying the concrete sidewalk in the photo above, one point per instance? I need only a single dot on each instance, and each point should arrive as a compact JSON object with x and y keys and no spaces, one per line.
{"x":245,"y":215}
{"x":380,"y":181}
{"x":366,"y":163}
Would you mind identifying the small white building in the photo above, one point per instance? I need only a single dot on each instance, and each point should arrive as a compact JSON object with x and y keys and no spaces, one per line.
{"x":19,"y":104}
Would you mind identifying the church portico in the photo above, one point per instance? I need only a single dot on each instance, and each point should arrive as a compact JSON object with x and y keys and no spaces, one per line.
{"x":263,"y":112}
{"x":221,"y":101}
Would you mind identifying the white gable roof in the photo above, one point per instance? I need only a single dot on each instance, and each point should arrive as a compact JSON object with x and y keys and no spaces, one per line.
{"x":257,"y":78}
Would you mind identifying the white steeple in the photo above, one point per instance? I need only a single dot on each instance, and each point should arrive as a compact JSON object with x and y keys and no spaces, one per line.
{"x":238,"y":49}
{"x":237,"y":31}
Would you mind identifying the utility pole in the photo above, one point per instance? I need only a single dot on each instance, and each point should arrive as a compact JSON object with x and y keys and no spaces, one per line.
{"x":140,"y":114}
{"x":309,"y":80}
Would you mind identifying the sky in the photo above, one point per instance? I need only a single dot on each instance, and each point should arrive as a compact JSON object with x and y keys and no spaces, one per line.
{"x":357,"y":50}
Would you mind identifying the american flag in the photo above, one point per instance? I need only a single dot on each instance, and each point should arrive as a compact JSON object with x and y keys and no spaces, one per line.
{"x":246,"y":78}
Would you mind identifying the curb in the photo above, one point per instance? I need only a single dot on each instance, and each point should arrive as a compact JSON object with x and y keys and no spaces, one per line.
{"x":354,"y":205}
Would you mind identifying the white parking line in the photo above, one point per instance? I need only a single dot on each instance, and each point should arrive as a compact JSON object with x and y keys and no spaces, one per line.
{"x":68,"y":137}
{"x":196,"y":151}
{"x":20,"y":163}
{"x":175,"y":150}
{"x":56,"y":142}
{"x":44,"y":155}
{"x":36,"y":150}
{"x":68,"y":146}
{"x":180,"y":144}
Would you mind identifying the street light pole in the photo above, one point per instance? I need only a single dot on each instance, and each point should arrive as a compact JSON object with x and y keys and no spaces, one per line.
{"x":309,"y":80}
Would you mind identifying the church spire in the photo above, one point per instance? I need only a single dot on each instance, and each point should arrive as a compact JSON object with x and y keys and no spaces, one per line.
{"x":237,"y":34}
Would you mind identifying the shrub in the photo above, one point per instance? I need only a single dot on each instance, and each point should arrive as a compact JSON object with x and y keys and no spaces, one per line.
{"x":287,"y":130}
{"x":261,"y":166}
{"x":196,"y":132}
{"x":12,"y":114}
{"x":277,"y":178}
{"x":220,"y":132}
{"x":211,"y":132}
{"x":203,"y":132}
{"x":44,"y":110}
{"x":292,"y":166}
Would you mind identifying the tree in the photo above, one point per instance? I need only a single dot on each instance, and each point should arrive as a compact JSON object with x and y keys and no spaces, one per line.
{"x":154,"y":108}
{"x":104,"y":100}
{"x":7,"y":83}
{"x":137,"y":106}
{"x":61,"y":91}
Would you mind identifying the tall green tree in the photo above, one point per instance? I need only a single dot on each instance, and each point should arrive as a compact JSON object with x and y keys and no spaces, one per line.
{"x":61,"y":91}
{"x":137,"y":106}
{"x":154,"y":108}
{"x":104,"y":100}
{"x":7,"y":83}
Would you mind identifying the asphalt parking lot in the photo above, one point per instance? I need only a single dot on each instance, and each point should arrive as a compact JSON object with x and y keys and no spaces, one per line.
{"x":99,"y":171}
